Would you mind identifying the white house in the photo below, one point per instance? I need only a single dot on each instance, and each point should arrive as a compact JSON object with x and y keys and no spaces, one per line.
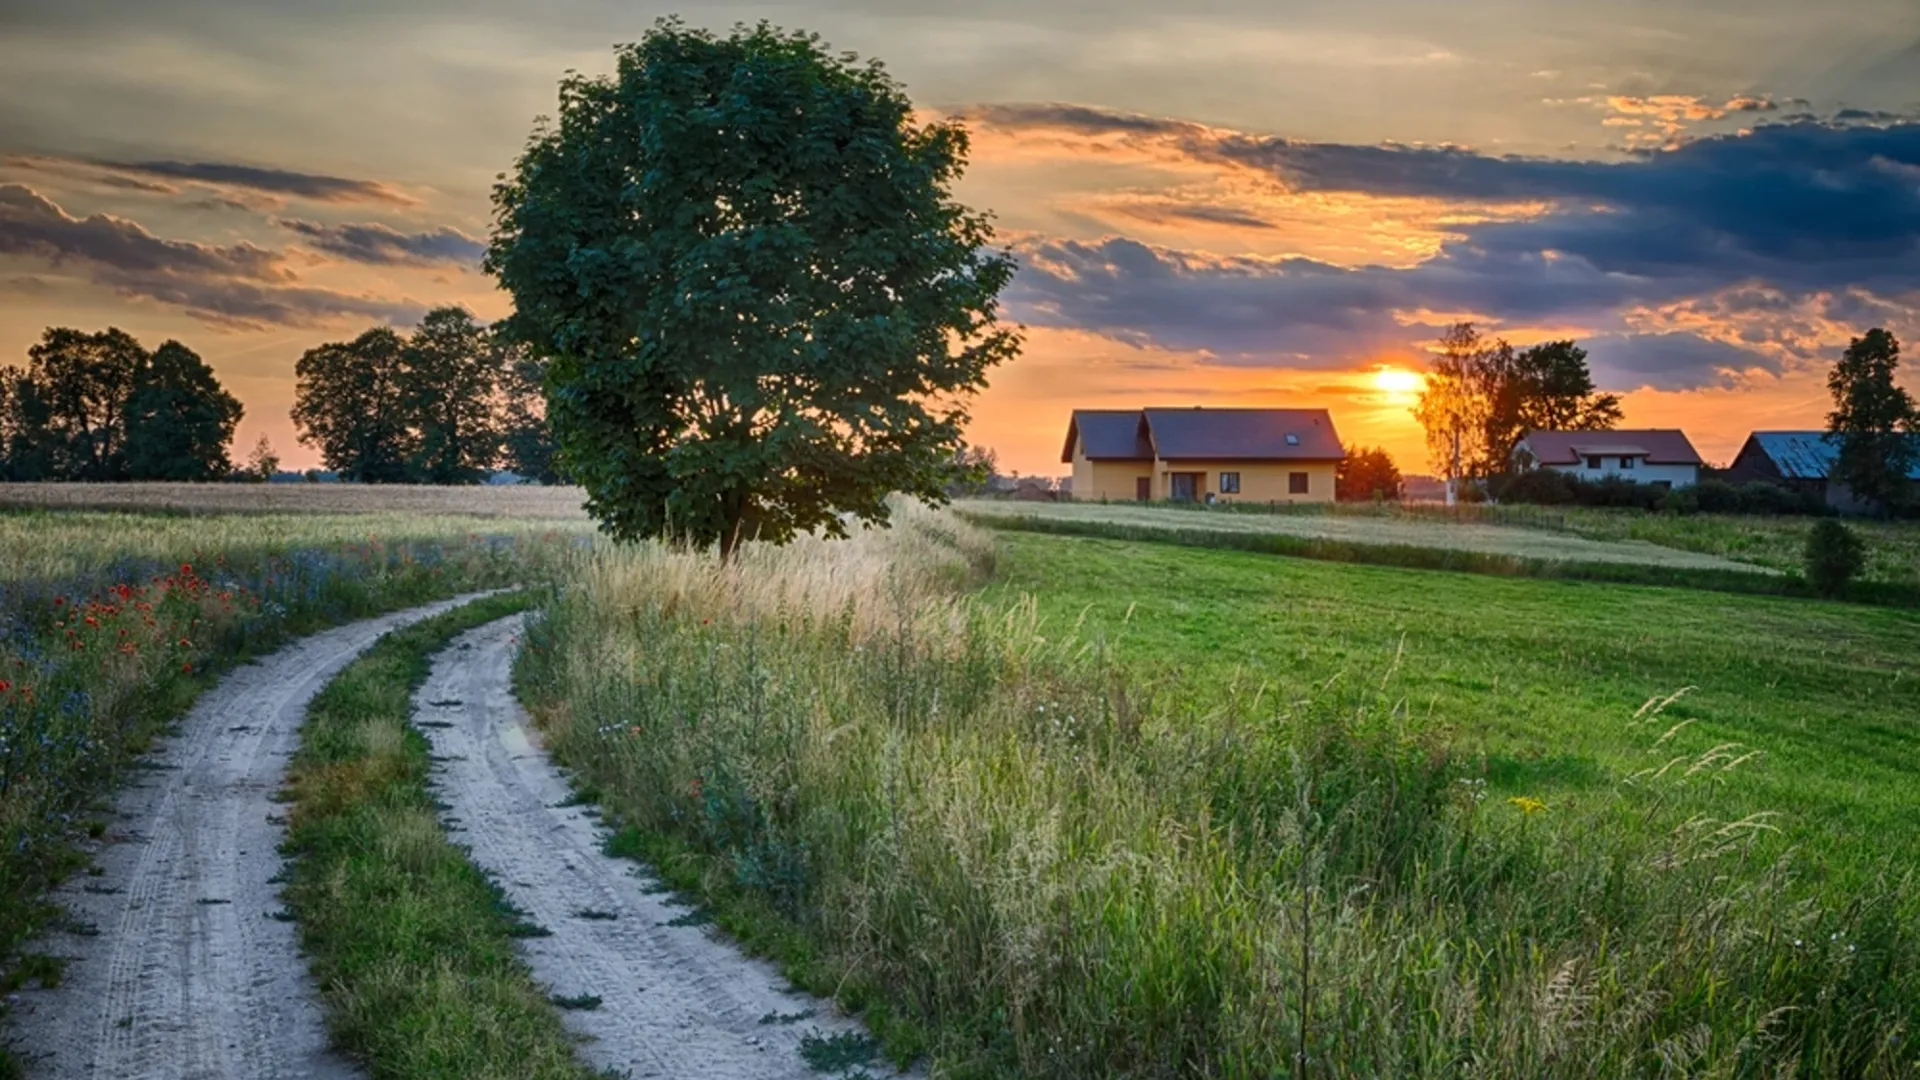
{"x":1659,"y":456}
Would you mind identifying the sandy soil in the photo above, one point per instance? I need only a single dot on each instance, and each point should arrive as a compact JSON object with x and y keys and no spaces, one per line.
{"x":675,"y":1002}
{"x":188,"y":974}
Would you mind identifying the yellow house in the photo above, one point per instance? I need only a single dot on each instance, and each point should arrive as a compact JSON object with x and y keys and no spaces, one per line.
{"x":1196,"y":454}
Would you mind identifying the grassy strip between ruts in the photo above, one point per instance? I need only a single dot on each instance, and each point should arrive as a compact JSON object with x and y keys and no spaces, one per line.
{"x":1428,"y":558}
{"x":411,"y":943}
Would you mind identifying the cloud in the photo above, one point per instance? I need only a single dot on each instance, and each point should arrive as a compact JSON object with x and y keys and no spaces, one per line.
{"x":1812,"y":204}
{"x":239,"y":285}
{"x":1671,"y":361}
{"x":316,"y":187}
{"x":382,"y":246}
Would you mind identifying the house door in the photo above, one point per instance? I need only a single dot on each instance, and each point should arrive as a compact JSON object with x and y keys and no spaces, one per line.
{"x":1143,"y":488}
{"x":1183,"y":486}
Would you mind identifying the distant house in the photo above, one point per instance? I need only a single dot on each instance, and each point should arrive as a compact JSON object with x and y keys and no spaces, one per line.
{"x":1196,"y":454}
{"x":1659,"y":456}
{"x":1802,"y":460}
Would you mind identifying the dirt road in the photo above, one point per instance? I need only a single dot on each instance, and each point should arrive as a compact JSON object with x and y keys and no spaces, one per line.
{"x":674,"y":1002}
{"x":185,"y":972}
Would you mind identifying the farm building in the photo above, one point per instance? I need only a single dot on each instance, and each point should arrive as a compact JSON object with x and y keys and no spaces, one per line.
{"x":1659,"y":456}
{"x":1196,"y":454}
{"x":1802,"y":460}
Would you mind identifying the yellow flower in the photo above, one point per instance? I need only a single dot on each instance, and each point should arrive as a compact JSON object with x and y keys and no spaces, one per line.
{"x":1527,"y":804}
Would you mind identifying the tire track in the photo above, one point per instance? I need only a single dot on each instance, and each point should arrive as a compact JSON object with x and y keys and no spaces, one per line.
{"x":674,"y":1001}
{"x":189,"y":976}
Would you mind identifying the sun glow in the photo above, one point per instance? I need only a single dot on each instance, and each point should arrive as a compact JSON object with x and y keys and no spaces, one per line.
{"x":1398,"y":382}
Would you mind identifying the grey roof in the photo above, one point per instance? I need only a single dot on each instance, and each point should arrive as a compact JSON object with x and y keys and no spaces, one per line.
{"x":1198,"y":434}
{"x":1107,"y":434}
{"x":1243,"y":434}
{"x":1809,"y":455}
{"x":1662,"y":446}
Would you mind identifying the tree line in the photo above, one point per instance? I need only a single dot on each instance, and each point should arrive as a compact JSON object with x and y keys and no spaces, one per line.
{"x":445,"y":404}
{"x":100,"y":407}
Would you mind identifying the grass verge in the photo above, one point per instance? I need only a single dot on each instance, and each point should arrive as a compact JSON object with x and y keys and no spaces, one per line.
{"x":1892,"y":594}
{"x":1048,"y":867}
{"x":411,"y":943}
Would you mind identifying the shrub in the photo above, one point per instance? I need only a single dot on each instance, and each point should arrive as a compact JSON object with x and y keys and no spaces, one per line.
{"x":1683,"y":500}
{"x":1542,"y":487}
{"x":1834,"y":555}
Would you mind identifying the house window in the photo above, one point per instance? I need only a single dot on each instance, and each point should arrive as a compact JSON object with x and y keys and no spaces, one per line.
{"x":1292,"y":439}
{"x":1626,"y":463}
{"x":1229,"y":483}
{"x":1297,"y":483}
{"x":1593,"y":461}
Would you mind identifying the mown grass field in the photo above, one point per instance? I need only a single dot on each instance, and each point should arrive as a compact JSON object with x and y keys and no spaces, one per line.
{"x":1540,"y":678}
{"x":1336,"y":523}
{"x":1062,"y":806}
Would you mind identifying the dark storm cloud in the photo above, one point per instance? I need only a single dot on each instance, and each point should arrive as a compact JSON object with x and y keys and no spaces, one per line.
{"x":316,"y":187}
{"x":238,"y":285}
{"x":1672,"y":361}
{"x":1304,"y":313}
{"x":35,"y":226}
{"x":382,"y":246}
{"x":1778,"y":214}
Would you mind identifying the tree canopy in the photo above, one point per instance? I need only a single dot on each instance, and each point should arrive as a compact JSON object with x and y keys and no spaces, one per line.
{"x":179,"y":419}
{"x":1485,"y":394}
{"x":444,"y":404}
{"x":1366,"y":474}
{"x":761,"y":308}
{"x":99,"y":407}
{"x":1874,"y":419}
{"x":350,"y":404}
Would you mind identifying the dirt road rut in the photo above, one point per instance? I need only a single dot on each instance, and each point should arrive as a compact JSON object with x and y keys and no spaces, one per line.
{"x":674,"y":1001}
{"x":184,"y":972}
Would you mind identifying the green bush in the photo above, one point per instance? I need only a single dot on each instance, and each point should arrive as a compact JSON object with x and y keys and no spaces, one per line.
{"x":1834,"y":556}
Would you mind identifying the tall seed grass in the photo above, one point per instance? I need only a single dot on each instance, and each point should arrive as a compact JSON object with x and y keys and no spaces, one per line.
{"x":1057,"y":871}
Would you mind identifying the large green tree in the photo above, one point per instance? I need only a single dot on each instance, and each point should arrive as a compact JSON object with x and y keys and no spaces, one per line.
{"x":350,"y":403}
{"x":179,"y":419}
{"x":762,"y":309}
{"x":1874,"y":420}
{"x":449,"y":379}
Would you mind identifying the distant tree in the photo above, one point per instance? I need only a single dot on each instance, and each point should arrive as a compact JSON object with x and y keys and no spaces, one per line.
{"x":1481,"y":396}
{"x":1456,"y":403}
{"x":763,"y":311}
{"x":1873,"y":417}
{"x":82,"y":383}
{"x":1550,"y":387}
{"x":449,"y":379}
{"x":179,"y":419}
{"x":350,"y":403}
{"x":526,"y":441}
{"x":262,"y":462}
{"x":27,"y":449}
{"x":1367,"y":474}
{"x":973,"y":471}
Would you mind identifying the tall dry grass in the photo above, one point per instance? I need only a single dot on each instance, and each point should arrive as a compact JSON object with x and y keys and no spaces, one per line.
{"x":1029,"y":864}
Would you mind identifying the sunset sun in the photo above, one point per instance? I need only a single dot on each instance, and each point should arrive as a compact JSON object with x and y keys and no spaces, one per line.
{"x":1398,"y":381}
